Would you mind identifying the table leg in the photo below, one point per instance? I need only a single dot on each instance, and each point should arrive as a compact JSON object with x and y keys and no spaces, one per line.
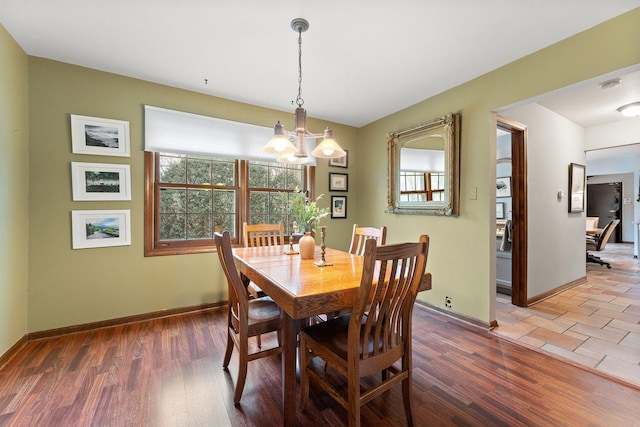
{"x":290,"y":329}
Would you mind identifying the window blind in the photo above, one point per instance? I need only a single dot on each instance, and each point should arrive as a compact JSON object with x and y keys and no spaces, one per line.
{"x":171,"y":131}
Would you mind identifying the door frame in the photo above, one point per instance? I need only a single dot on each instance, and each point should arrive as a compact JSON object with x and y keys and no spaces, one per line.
{"x":519,"y":245}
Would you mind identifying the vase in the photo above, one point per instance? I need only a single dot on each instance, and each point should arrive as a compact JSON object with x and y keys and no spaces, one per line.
{"x":306,"y":246}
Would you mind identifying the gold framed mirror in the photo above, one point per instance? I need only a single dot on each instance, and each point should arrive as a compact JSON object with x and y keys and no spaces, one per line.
{"x":424,"y":168}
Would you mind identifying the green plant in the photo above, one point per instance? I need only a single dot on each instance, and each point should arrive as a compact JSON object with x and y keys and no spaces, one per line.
{"x":305,"y":212}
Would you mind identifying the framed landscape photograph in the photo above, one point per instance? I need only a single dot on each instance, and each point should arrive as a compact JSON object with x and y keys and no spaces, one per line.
{"x":99,"y":229}
{"x":338,"y":181}
{"x":338,"y":206}
{"x":577,"y":183}
{"x":503,"y":186}
{"x":341,"y":162}
{"x":103,"y":137}
{"x":100,"y":181}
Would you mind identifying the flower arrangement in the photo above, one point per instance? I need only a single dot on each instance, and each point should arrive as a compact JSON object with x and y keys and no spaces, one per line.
{"x":305,"y":212}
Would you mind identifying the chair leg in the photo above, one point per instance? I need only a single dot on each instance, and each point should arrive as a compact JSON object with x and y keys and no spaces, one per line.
{"x":304,"y":376}
{"x":597,"y":260}
{"x":229,"y":350}
{"x":242,"y":371}
{"x":353,"y":395}
{"x":408,"y":401}
{"x":259,"y":340}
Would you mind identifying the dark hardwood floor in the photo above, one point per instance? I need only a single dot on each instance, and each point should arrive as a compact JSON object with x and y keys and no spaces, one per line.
{"x":168,"y":372}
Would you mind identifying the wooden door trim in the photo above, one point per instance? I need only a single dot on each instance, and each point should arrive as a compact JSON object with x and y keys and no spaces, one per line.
{"x":519,"y":209}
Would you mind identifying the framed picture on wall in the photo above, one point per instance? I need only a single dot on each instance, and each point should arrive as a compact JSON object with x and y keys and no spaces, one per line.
{"x":102,"y":137}
{"x":341,"y":162}
{"x":503,"y":186}
{"x":577,"y":184}
{"x":100,"y":181}
{"x":99,"y":229}
{"x":338,"y":206}
{"x":338,"y":181}
{"x":500,"y":210}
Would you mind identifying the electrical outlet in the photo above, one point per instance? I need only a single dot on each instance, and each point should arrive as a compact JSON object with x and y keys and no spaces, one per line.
{"x":447,"y":302}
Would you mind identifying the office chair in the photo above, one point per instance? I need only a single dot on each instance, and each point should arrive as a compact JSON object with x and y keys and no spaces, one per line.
{"x":598,"y":242}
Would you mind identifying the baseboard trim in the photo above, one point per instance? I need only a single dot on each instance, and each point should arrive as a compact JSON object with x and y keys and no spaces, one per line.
{"x":122,"y":321}
{"x":13,"y":350}
{"x":457,"y":316}
{"x":555,"y":291}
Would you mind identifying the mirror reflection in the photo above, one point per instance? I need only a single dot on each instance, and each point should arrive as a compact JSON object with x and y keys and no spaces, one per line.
{"x":423,"y":168}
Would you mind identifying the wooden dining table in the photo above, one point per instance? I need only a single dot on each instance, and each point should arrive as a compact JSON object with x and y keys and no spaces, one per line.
{"x":303,"y":291}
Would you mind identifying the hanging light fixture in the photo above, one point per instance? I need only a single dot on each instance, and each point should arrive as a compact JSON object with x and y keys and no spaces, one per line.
{"x":290,"y":146}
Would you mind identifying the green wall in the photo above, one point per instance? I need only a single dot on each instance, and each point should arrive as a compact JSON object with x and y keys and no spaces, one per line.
{"x":14,"y":191}
{"x":69,"y":287}
{"x":460,"y":256}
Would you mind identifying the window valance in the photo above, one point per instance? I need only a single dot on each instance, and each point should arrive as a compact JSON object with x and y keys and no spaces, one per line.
{"x":171,"y":131}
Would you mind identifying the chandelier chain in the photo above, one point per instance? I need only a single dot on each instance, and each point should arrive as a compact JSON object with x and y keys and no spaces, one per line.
{"x":299,"y":100}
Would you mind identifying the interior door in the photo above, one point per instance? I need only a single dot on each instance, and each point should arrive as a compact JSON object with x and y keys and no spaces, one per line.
{"x":605,"y":202}
{"x":519,"y":209}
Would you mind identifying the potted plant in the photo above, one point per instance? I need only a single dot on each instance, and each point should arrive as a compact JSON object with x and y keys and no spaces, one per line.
{"x":305,"y":212}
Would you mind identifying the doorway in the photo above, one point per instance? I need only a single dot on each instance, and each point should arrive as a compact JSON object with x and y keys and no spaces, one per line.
{"x":514,"y":208}
{"x":605,"y":202}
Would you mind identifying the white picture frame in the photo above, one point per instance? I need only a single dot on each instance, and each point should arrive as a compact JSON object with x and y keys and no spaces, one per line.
{"x":98,"y":136}
{"x":100,"y":181}
{"x":100,"y":228}
{"x":503,"y":186}
{"x":338,"y":181}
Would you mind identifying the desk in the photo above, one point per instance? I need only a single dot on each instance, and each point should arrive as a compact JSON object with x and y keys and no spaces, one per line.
{"x":302,"y":290}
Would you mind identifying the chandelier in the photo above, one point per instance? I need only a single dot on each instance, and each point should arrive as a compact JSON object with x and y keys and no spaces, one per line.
{"x":290,"y":146}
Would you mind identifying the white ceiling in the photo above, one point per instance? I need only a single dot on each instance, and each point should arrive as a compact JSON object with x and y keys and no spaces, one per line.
{"x":362,"y":59}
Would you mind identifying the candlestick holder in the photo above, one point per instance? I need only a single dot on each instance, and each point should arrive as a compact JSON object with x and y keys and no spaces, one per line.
{"x":322,"y":262}
{"x":291,"y":250}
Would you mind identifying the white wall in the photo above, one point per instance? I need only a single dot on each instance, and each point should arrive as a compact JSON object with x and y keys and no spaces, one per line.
{"x":622,"y":132}
{"x":556,"y":248}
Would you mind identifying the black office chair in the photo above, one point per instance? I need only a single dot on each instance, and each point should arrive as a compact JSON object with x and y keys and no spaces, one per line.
{"x":597,"y":242}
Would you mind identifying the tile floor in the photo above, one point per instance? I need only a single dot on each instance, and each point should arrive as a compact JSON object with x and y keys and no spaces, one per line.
{"x":596,"y":324}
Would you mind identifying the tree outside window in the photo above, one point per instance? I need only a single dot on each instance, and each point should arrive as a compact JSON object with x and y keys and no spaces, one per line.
{"x":188,"y":197}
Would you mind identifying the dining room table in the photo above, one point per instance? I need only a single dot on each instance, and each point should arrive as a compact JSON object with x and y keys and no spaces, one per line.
{"x":303,"y":291}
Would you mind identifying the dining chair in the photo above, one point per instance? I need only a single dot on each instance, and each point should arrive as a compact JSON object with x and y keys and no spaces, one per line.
{"x":247,"y":317}
{"x":374,"y":336}
{"x":359,"y":237}
{"x":262,"y":234}
{"x":361,"y":234}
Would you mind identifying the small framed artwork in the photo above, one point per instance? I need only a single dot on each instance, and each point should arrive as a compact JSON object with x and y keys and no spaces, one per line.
{"x":338,"y":206}
{"x":100,"y":181}
{"x":102,"y":137}
{"x":341,"y":162}
{"x":577,"y":183}
{"x":99,"y":229}
{"x":503,"y":186}
{"x":338,"y":181}
{"x":500,"y":210}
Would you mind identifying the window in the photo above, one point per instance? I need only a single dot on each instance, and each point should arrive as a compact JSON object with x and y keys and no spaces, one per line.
{"x":187,"y":197}
{"x":421,"y":186}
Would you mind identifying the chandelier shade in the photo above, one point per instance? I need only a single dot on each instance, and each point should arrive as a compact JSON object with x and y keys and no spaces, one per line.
{"x":290,"y":146}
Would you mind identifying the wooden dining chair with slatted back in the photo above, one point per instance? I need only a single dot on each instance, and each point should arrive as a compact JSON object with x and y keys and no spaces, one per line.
{"x":361,"y":234}
{"x":373,"y":337}
{"x":247,"y":317}
{"x":261,"y":235}
{"x":359,"y":237}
